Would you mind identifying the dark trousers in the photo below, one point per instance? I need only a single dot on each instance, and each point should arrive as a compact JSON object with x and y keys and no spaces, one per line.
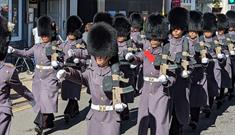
{"x":176,"y":127}
{"x":195,"y":113}
{"x":221,"y":94}
{"x":211,"y":102}
{"x":44,"y":121}
{"x":72,"y":108}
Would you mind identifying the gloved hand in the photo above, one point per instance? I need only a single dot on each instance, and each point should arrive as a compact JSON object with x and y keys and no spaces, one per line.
{"x":10,"y":49}
{"x":129,"y":56}
{"x":76,"y":60}
{"x":61,"y":74}
{"x":54,"y":64}
{"x":205,"y":60}
{"x":232,"y":53}
{"x":163,"y":79}
{"x":220,"y":56}
{"x":120,"y":107}
{"x":185,"y":74}
{"x":71,"y":53}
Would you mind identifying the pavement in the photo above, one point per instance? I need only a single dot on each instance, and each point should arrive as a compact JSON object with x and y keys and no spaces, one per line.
{"x":221,"y":122}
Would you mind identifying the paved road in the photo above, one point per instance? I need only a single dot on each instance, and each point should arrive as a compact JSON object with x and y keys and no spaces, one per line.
{"x":222,"y":122}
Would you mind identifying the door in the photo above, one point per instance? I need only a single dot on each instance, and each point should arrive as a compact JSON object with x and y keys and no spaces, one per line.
{"x":57,"y":10}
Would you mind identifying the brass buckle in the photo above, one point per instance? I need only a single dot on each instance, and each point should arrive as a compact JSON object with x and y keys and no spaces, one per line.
{"x":102,"y":108}
{"x":151,"y":79}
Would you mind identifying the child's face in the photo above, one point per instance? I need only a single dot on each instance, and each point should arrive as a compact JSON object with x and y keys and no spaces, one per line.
{"x":155,"y":43}
{"x":102,"y":61}
{"x":208,"y":34}
{"x":45,"y":39}
{"x":121,"y":39}
{"x":192,"y":34}
{"x":220,"y":32}
{"x":177,"y":33}
{"x":71,"y":37}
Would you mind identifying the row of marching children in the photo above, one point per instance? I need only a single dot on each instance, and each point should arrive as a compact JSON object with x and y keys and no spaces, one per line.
{"x":179,"y":66}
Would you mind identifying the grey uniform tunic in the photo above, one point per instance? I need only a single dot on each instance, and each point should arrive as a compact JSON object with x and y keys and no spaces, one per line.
{"x":45,"y":83}
{"x":213,"y":71}
{"x":226,"y":69}
{"x":99,"y":123}
{"x":198,"y":90}
{"x":180,"y":89}
{"x":9,"y":79}
{"x":155,"y":100}
{"x":232,"y":37}
{"x":71,"y":90}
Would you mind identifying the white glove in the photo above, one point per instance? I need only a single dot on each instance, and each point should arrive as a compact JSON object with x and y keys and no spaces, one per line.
{"x":71,"y":53}
{"x":133,"y":66}
{"x":129,"y":56}
{"x":10,"y":49}
{"x":220,"y":56}
{"x":76,"y":60}
{"x":54,"y":64}
{"x":61,"y":74}
{"x":120,"y":107}
{"x":205,"y":60}
{"x":142,"y":36}
{"x":232,"y":52}
{"x":185,"y":74}
{"x":163,"y":79}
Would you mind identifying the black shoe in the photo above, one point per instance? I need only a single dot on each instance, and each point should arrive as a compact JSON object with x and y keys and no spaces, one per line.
{"x":193,"y":125}
{"x":219,"y":104}
{"x":67,"y":118}
{"x":38,"y":130}
{"x":207,"y":112}
{"x":230,"y":97}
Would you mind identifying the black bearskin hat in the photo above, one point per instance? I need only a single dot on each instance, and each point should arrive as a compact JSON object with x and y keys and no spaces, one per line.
{"x":157,"y":27}
{"x":103,"y":17}
{"x":74,"y":24}
{"x":123,"y":26}
{"x":222,"y":22}
{"x":44,"y":26}
{"x":102,"y":40}
{"x":209,"y":22}
{"x":4,"y":37}
{"x":195,"y":21}
{"x":136,"y":21}
{"x":231,"y":18}
{"x":178,"y":18}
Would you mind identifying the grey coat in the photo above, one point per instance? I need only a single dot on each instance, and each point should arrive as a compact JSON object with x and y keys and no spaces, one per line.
{"x":226,"y":69}
{"x":198,"y":89}
{"x":71,"y":90}
{"x":155,"y":100}
{"x":213,"y":71}
{"x":9,"y":80}
{"x":103,"y":123}
{"x":180,"y":89}
{"x":45,"y":84}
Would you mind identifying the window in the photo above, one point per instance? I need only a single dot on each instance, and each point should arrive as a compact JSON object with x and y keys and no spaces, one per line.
{"x":12,"y":10}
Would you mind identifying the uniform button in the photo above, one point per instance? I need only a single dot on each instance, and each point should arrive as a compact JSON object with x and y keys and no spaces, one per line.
{"x":101,"y":86}
{"x":102,"y":98}
{"x":151,"y":73}
{"x":40,"y":79}
{"x":150,"y":83}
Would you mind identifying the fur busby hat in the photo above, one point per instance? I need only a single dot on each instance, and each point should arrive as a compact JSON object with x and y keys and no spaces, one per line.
{"x":195,"y":21}
{"x":123,"y":26}
{"x":157,"y":27}
{"x":4,"y":37}
{"x":103,"y":17}
{"x":136,"y":21}
{"x":102,"y":40}
{"x":44,"y":26}
{"x":231,"y":18}
{"x":74,"y":24}
{"x":178,"y":18}
{"x":209,"y":22}
{"x":222,"y":22}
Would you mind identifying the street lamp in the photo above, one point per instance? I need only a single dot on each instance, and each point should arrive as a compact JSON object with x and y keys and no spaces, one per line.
{"x":216,"y":8}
